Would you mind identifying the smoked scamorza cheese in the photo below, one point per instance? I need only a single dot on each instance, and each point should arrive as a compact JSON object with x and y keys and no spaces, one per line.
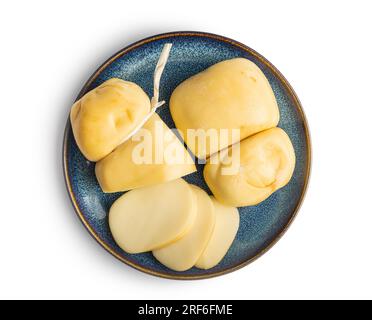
{"x":230,"y":95}
{"x":265,"y":164}
{"x":153,"y":155}
{"x":223,"y":235}
{"x":149,"y":218}
{"x":183,"y":254}
{"x":106,"y":115}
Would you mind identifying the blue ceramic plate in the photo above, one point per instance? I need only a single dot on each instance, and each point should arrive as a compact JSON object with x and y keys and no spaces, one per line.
{"x":262,"y":225}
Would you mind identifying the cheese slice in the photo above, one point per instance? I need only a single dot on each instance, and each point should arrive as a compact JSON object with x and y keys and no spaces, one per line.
{"x":183,"y":254}
{"x":148,"y":218}
{"x":226,"y":227}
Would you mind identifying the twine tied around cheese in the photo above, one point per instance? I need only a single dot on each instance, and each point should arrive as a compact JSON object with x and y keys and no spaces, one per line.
{"x":155,"y":103}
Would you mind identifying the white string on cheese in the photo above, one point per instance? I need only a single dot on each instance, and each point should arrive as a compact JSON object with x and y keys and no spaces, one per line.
{"x":155,"y":103}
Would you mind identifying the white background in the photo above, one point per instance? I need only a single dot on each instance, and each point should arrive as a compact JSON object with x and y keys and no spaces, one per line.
{"x":48,"y":49}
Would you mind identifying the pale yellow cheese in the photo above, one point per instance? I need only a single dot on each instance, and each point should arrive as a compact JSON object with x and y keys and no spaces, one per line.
{"x":148,"y":218}
{"x":106,"y":115}
{"x":183,"y":254}
{"x":232,"y":94}
{"x":223,"y":235}
{"x":168,"y":159}
{"x":266,"y":163}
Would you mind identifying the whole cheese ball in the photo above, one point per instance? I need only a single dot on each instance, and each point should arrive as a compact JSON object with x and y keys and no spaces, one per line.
{"x":105,"y":116}
{"x":232,"y":94}
{"x":265,"y":163}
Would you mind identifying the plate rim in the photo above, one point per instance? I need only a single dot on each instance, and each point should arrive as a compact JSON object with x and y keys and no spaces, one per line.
{"x":273,"y":69}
